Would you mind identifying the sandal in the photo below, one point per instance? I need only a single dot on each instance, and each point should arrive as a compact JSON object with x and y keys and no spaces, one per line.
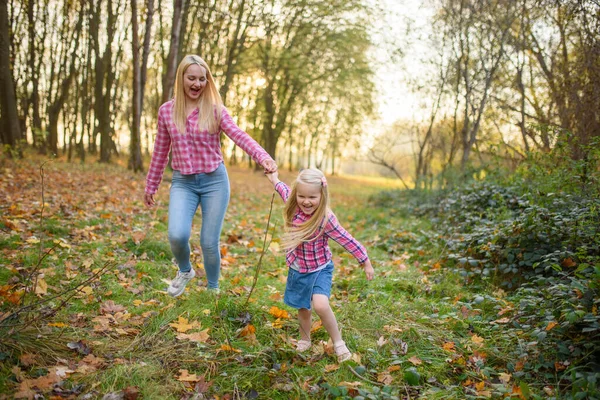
{"x":342,"y":352}
{"x":303,"y":345}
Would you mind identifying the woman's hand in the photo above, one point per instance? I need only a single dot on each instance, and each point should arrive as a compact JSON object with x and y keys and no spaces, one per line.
{"x":149,"y":200}
{"x":369,"y":271}
{"x":270,"y":166}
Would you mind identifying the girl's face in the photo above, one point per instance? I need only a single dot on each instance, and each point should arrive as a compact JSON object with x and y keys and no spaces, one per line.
{"x":308,"y":197}
{"x":194,"y":82}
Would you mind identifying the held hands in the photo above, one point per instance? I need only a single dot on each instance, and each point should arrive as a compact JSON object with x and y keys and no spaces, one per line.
{"x":369,"y":271}
{"x":270,"y":166}
{"x":273,"y":177}
{"x":149,"y":200}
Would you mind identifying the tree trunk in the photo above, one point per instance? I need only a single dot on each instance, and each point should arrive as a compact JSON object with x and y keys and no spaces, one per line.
{"x":171,"y":63}
{"x":135,"y":155}
{"x":9,"y":119}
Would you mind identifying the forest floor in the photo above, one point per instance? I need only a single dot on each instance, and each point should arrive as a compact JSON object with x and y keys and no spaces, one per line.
{"x":84,"y":311}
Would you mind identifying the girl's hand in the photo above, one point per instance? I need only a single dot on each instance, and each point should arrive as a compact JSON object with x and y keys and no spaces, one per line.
{"x":270,"y":166}
{"x":273,"y":177}
{"x":369,"y":271}
{"x":149,"y":200}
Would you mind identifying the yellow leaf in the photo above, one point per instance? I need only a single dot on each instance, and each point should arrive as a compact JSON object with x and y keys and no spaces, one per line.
{"x":185,"y":376}
{"x":351,"y":385}
{"x":392,"y":328}
{"x":551,"y":325}
{"x":248,"y":330}
{"x":58,"y":324}
{"x":226,"y":347}
{"x":182,"y":325}
{"x":278,"y":323}
{"x":449,"y":346}
{"x":505,"y":378}
{"x":274,"y":247}
{"x":41,"y":287}
{"x":331,"y":367}
{"x":415,"y":360}
{"x":278,"y":312}
{"x":316,"y":326}
{"x":393,"y":368}
{"x":477,"y":339}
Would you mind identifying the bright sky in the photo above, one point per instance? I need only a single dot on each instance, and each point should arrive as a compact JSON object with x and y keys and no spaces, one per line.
{"x":409,"y":22}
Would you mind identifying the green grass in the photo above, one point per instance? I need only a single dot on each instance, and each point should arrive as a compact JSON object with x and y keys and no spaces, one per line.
{"x":400,"y":320}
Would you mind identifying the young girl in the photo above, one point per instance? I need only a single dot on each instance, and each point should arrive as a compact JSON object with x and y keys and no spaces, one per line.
{"x":309,"y":224}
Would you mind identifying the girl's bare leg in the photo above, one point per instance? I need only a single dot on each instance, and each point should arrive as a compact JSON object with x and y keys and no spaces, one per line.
{"x":324,"y":311}
{"x":304,"y":318}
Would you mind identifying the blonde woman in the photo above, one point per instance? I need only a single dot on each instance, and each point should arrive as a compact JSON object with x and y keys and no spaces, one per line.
{"x":189,"y":127}
{"x":310,"y":224}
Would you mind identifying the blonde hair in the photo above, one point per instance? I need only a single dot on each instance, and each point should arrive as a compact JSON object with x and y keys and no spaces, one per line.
{"x":210,"y":104}
{"x":313,"y":228}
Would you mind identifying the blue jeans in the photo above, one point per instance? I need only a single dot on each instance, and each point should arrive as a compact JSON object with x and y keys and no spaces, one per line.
{"x":211,"y":192}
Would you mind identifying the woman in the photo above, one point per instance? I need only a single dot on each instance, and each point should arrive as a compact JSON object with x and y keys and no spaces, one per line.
{"x":189,"y":126}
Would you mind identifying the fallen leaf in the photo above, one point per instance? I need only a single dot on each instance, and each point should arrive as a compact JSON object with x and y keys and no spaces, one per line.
{"x":414,"y":360}
{"x":449,"y":346}
{"x":182,"y":325}
{"x":385,"y":378}
{"x":477,"y":339}
{"x":278,"y":312}
{"x":110,"y":307}
{"x":198,"y":337}
{"x":41,"y":287}
{"x":226,"y":347}
{"x":331,"y":367}
{"x":568,"y":263}
{"x":247,"y":330}
{"x":551,"y":325}
{"x":352,"y":385}
{"x":185,"y":376}
{"x":381,"y":341}
{"x":504,"y":377}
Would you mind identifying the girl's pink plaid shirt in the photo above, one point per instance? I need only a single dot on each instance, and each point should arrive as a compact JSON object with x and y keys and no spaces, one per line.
{"x":309,"y":256}
{"x":195,"y":152}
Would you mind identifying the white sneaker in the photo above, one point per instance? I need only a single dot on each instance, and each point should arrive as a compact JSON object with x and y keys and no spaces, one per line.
{"x":177,"y":285}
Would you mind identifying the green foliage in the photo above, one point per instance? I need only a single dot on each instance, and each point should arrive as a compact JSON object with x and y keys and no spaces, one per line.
{"x":536,"y":234}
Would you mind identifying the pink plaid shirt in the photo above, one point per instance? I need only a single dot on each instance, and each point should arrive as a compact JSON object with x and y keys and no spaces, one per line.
{"x":195,"y":152}
{"x":309,"y":256}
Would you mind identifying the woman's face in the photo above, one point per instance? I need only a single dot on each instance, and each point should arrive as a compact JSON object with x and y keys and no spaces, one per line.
{"x":194,"y":82}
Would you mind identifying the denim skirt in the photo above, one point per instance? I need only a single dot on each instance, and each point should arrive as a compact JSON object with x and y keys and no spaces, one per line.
{"x":300,"y":288}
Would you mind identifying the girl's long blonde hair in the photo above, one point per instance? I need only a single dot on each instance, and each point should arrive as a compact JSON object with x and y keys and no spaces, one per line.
{"x":313,"y":228}
{"x":210,"y":104}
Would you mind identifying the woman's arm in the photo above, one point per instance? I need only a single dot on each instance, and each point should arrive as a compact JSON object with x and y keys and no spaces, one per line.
{"x":246,"y":143}
{"x":160,"y":154}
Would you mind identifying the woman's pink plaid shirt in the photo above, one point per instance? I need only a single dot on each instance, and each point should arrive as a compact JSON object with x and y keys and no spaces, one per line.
{"x":195,"y":152}
{"x":309,"y":256}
